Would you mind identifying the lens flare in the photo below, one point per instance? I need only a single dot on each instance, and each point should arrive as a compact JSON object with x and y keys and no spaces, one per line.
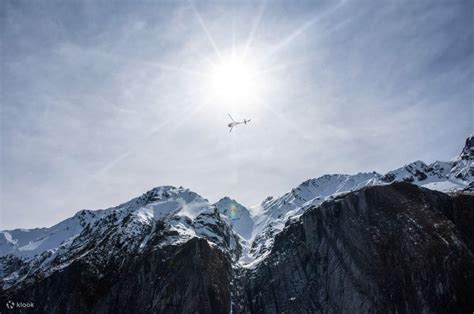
{"x":233,"y":214}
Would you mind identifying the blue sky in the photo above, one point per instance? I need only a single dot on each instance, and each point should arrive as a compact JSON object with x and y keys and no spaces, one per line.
{"x":103,"y":100}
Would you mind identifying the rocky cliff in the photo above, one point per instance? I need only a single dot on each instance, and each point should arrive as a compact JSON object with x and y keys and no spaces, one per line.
{"x":391,"y":249}
{"x":190,"y":278}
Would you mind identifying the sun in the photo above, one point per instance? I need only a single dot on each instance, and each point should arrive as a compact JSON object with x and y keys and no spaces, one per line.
{"x":234,"y":79}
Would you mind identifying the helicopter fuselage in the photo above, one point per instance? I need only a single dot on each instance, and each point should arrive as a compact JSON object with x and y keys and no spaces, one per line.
{"x":232,"y":124}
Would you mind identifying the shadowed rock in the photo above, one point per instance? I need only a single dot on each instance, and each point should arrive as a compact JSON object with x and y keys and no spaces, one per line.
{"x":190,"y":278}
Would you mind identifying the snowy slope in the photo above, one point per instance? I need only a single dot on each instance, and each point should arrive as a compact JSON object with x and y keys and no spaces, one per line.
{"x":242,"y":223}
{"x":29,"y":242}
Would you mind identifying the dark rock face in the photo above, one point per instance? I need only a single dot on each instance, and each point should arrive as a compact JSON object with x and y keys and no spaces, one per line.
{"x":191,"y":278}
{"x":390,"y":249}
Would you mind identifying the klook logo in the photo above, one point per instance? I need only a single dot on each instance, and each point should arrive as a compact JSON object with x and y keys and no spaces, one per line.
{"x":10,"y":305}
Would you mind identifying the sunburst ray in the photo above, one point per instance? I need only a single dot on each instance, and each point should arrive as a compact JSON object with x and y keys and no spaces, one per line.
{"x":255,"y":25}
{"x":205,"y":29}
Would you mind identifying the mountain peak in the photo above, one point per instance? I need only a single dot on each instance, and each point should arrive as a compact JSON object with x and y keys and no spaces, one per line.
{"x":468,"y":150}
{"x":226,"y":202}
{"x":226,"y":199}
{"x":237,"y":214}
{"x":170,"y":192}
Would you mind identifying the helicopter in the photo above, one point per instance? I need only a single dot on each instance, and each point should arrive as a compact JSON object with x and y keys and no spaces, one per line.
{"x":236,"y":123}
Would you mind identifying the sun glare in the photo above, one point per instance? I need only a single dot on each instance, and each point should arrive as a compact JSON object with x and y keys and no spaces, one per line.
{"x":233,"y":79}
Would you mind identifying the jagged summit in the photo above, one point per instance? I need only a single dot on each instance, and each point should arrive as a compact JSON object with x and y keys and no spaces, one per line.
{"x":170,"y":192}
{"x":441,"y":175}
{"x":468,"y":151}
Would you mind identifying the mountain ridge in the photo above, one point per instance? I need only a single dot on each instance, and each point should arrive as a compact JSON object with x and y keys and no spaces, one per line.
{"x":445,"y":176}
{"x":166,"y":218}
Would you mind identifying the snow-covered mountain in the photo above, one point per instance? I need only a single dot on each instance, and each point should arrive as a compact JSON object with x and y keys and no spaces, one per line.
{"x":166,"y":218}
{"x":272,"y":215}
